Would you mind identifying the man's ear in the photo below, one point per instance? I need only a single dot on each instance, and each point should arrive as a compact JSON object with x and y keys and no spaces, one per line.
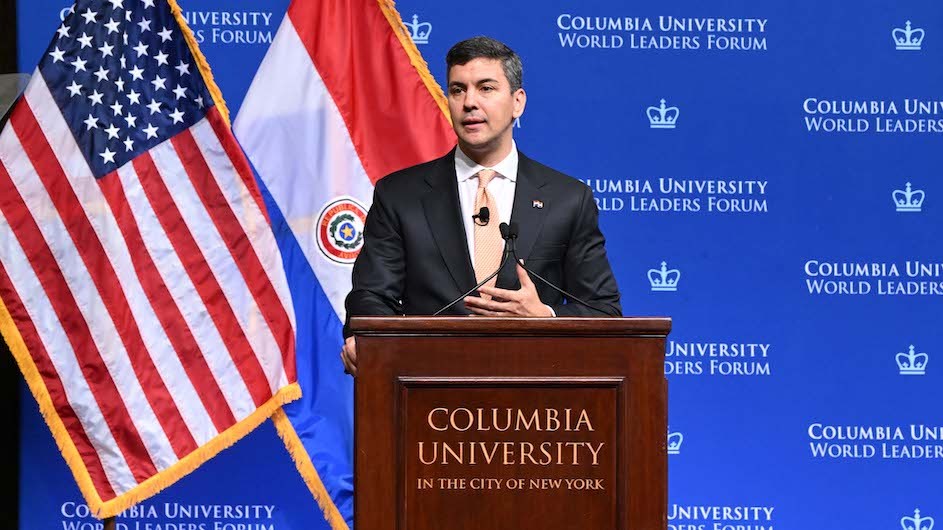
{"x":520,"y":101}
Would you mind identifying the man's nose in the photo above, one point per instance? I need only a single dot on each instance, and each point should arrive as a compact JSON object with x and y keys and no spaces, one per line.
{"x":471,"y":100}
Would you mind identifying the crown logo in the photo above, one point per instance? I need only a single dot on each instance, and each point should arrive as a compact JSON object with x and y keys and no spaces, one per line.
{"x":664,"y":279}
{"x":916,"y":522}
{"x":912,"y":363}
{"x":662,"y":117}
{"x":908,"y":200}
{"x":419,"y":32}
{"x":908,"y":39}
{"x":675,"y":439}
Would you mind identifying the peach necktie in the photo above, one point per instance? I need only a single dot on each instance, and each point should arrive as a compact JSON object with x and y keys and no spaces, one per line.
{"x":488,"y":243}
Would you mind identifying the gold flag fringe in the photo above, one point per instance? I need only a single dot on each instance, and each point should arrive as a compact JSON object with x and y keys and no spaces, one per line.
{"x":415,"y":58}
{"x":200,"y":61}
{"x":304,"y":465}
{"x":150,"y":487}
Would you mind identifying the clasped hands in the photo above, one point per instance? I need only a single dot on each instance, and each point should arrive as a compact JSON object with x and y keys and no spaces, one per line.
{"x":523,"y":302}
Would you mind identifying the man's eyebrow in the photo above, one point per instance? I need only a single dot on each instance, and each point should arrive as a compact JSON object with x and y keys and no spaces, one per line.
{"x":479,"y":82}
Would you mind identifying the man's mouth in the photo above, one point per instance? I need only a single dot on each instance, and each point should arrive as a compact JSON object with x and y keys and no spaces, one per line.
{"x":472,"y":121}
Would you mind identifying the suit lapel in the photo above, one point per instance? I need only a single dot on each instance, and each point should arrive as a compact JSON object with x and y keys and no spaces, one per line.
{"x":526,"y":213}
{"x":444,"y":215}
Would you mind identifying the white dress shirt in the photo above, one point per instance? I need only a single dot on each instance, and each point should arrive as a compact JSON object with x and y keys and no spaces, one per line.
{"x":501,"y":188}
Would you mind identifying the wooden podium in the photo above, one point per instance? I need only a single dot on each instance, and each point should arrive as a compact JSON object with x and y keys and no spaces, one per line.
{"x":472,"y":423}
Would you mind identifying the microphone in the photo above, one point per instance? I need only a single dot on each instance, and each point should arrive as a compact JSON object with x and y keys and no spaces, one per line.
{"x":482,"y":217}
{"x":508,"y":247}
{"x":509,"y":234}
{"x":512,"y":236}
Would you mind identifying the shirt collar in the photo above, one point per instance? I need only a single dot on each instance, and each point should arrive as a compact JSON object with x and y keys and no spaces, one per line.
{"x":466,"y":168}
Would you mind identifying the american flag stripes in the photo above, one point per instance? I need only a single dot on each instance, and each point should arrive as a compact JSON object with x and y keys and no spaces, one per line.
{"x":142,"y":289}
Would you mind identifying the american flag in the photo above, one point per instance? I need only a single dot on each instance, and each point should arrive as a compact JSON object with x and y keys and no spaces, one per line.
{"x":142,"y":289}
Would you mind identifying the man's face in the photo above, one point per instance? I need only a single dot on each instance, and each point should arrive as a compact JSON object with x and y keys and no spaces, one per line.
{"x":482,"y":106}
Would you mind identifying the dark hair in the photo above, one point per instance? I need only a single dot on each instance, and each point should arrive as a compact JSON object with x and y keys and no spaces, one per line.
{"x":487,"y":48}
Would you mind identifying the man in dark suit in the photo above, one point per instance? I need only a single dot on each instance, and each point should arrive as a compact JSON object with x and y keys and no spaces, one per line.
{"x":427,"y":238}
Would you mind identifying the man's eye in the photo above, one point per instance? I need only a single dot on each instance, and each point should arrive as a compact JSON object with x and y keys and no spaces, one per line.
{"x":455,"y":90}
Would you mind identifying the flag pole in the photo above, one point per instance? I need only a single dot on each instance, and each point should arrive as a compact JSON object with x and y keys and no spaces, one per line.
{"x":110,"y":523}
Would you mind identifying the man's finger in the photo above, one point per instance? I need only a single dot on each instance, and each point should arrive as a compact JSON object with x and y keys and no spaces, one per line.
{"x":350,"y":346}
{"x":345,"y":362}
{"x":485,"y":312}
{"x":496,"y":292}
{"x":478,"y":301}
{"x":350,"y":368}
{"x":349,"y":356}
{"x":488,"y":305}
{"x":523,"y":276}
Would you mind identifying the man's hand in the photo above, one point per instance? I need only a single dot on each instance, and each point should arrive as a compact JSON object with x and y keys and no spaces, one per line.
{"x":521,"y":303}
{"x":349,"y":356}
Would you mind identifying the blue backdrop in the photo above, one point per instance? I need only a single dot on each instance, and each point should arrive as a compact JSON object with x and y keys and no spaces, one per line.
{"x":752,"y":163}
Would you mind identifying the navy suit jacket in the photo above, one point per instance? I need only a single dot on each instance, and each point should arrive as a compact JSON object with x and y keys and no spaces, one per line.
{"x":415,"y":255}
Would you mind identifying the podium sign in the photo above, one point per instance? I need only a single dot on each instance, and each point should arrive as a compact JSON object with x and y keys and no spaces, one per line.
{"x":470,"y":423}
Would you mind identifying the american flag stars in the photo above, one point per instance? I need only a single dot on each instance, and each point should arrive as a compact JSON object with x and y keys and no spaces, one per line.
{"x":106,"y":62}
{"x":113,"y":26}
{"x":57,"y":55}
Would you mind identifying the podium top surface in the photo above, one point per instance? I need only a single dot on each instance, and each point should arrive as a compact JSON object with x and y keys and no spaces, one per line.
{"x":475,"y":325}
